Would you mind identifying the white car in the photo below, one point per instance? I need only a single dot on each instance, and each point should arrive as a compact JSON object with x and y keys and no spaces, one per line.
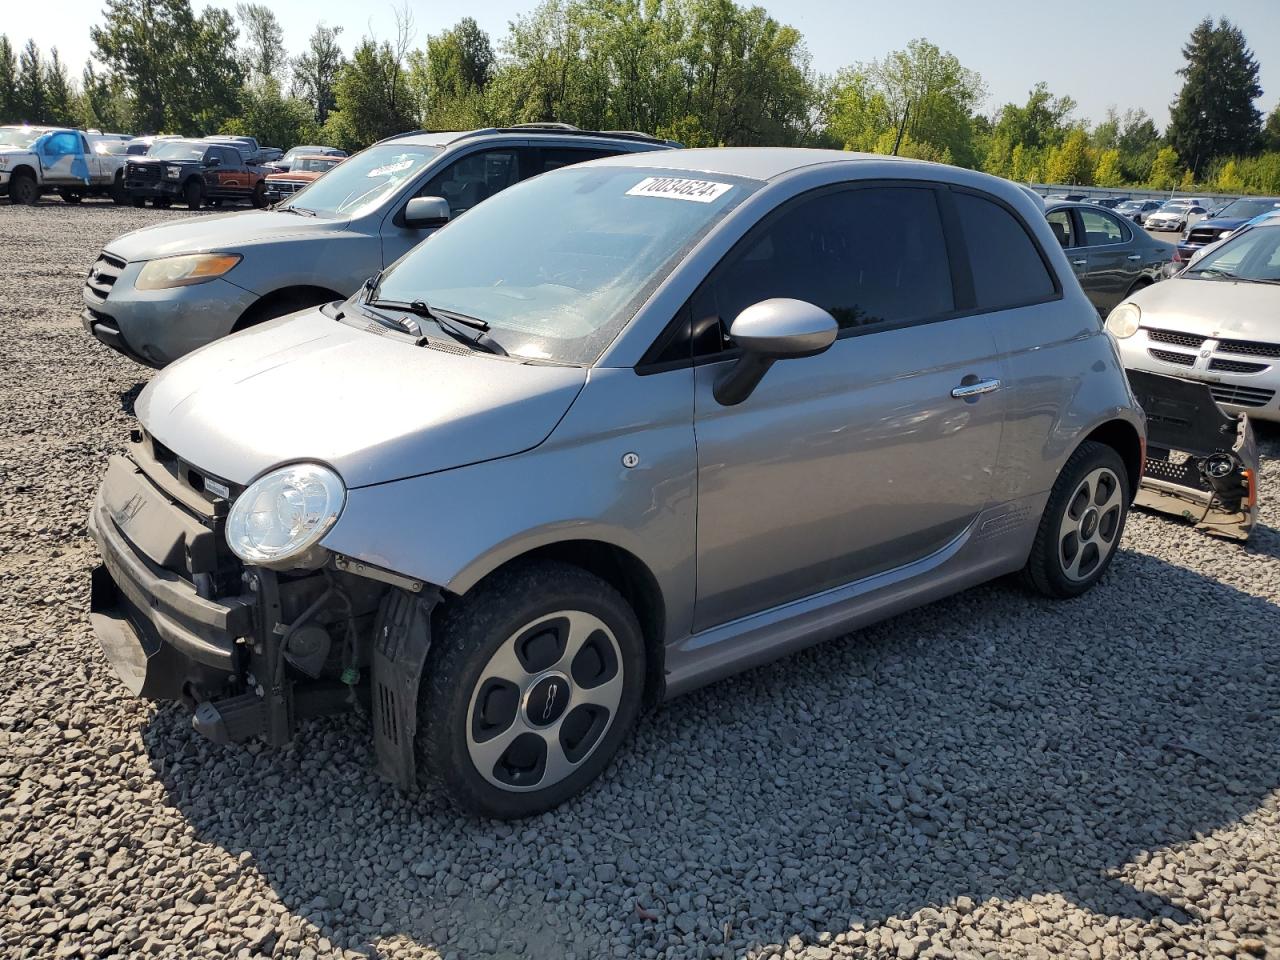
{"x":39,"y":160}
{"x":1218,"y":322}
{"x":1177,"y":214}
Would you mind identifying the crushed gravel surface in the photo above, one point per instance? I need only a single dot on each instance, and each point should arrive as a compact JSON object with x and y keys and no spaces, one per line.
{"x":993,"y":776}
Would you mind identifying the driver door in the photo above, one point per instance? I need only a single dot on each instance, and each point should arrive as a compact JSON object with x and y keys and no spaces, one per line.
{"x":858,"y":460}
{"x":62,"y":159}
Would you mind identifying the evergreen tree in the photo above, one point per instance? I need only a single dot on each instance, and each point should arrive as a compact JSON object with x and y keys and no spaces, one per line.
{"x":8,"y":81}
{"x":1214,"y":115}
{"x":60,"y":98}
{"x":32,"y":96}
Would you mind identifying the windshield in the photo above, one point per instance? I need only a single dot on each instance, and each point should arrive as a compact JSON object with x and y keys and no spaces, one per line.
{"x":1247,"y":209}
{"x":18,"y":136}
{"x":559,"y":264}
{"x":1253,"y":256}
{"x":314,"y":165}
{"x":1175,"y":205}
{"x":113,"y":148}
{"x":1129,"y":205}
{"x":364,"y":181}
{"x":177,"y":150}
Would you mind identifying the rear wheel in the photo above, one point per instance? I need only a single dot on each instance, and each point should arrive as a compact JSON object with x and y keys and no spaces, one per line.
{"x":1082,"y":523}
{"x":23,"y":189}
{"x":193,"y":194}
{"x":162,"y":203}
{"x":532,"y":685}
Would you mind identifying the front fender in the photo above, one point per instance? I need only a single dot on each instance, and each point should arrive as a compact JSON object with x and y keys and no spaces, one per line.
{"x":453,"y":527}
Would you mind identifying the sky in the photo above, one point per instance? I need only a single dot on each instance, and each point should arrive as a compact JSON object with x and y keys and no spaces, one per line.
{"x":1100,"y":52}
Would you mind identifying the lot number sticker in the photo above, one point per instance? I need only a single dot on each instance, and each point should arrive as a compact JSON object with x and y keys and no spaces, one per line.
{"x":677,"y":188}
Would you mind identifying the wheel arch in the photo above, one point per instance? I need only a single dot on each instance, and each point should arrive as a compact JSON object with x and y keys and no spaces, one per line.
{"x":1122,"y":437}
{"x":623,"y":571}
{"x":302,"y":294}
{"x":25,"y":170}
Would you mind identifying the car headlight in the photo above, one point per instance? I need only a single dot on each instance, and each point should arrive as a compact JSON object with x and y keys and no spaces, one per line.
{"x":1124,"y":320}
{"x":285,"y":513}
{"x":173,"y":173}
{"x":185,"y":270}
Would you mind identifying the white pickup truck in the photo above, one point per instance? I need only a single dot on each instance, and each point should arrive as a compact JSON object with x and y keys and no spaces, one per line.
{"x":38,"y":160}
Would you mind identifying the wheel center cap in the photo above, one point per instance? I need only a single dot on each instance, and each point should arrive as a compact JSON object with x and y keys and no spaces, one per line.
{"x":546,"y":700}
{"x":1089,"y":524}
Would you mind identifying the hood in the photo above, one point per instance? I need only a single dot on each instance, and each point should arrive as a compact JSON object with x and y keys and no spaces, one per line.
{"x":1223,"y":223}
{"x":307,"y":175}
{"x":227,"y":231}
{"x":12,"y":150}
{"x":1213,"y":308}
{"x":375,"y":408}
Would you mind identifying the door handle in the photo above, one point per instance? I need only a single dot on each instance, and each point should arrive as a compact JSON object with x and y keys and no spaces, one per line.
{"x":1134,"y":256}
{"x":966,"y":390}
{"x":1079,"y":263}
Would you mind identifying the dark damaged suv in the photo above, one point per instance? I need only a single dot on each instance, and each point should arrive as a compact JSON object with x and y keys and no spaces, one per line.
{"x":194,"y":172}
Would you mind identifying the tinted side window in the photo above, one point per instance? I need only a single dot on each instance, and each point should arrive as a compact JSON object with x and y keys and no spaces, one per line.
{"x":1061,"y":225}
{"x":867,"y":256}
{"x":1101,"y":228}
{"x":474,"y":178}
{"x":553,"y":158}
{"x":1006,"y":264}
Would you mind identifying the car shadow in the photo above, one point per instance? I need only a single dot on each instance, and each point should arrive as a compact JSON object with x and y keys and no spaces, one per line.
{"x":1011,"y":745}
{"x":130,"y":397}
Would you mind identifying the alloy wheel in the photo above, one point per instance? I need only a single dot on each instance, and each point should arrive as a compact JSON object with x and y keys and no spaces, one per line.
{"x":544,"y":701}
{"x":1090,"y":524}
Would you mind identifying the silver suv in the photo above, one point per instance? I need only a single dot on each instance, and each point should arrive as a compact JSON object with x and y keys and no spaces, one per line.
{"x":158,"y":293}
{"x":626,"y":429}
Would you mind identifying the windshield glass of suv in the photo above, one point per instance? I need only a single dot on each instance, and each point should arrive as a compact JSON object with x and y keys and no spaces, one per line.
{"x":1253,"y":255}
{"x":362,"y":182}
{"x":18,"y":137}
{"x":1248,"y":208}
{"x":177,"y":150}
{"x":558,"y":265}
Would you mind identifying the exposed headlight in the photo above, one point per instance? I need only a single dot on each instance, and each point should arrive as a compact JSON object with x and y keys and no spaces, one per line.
{"x":285,"y":513}
{"x":173,"y":173}
{"x":185,"y":270}
{"x":1124,"y":320}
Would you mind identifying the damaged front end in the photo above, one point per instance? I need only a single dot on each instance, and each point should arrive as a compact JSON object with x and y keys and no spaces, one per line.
{"x":1202,"y":463}
{"x":249,"y":650}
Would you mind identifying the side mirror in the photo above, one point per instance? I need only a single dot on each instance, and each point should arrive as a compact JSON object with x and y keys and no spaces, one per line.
{"x":215,"y":161}
{"x":422,"y":212}
{"x":771,"y":330}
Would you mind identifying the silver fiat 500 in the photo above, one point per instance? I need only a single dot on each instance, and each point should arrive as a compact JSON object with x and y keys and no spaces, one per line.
{"x":623,"y":430}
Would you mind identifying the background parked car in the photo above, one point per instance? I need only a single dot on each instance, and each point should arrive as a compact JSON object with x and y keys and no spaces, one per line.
{"x":1110,"y":256}
{"x":304,"y":170}
{"x":39,"y":160}
{"x":1176,"y":215}
{"x":194,"y":171}
{"x":1109,"y":202}
{"x":1137,"y":210}
{"x":1216,"y":321}
{"x":1228,"y":218}
{"x":285,"y":163}
{"x":317,"y":246}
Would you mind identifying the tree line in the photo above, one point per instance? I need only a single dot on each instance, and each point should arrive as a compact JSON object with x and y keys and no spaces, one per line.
{"x":704,"y":72}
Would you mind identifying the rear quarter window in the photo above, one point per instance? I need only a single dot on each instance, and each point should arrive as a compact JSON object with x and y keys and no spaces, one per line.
{"x":1008,"y":270}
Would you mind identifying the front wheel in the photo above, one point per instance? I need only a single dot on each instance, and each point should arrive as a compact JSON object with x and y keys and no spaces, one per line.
{"x":193,"y":194}
{"x":1082,"y":523}
{"x":532,"y":684}
{"x":259,"y":197}
{"x":23,"y":190}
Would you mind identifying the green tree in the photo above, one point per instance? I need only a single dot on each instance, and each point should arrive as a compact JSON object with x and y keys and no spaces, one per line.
{"x":372,"y":96}
{"x":1214,"y":114}
{"x":1139,"y":141}
{"x":181,"y":71}
{"x":451,"y":75}
{"x":104,"y":104}
{"x":922,"y":90}
{"x":60,"y":106}
{"x":264,"y":55}
{"x":1069,"y":162}
{"x":1106,"y":173}
{"x":31,"y":89}
{"x":273,"y":118}
{"x":1043,"y":121}
{"x":1164,"y":169}
{"x":1229,"y":179}
{"x":1270,"y":132}
{"x":8,"y":81}
{"x":315,"y":73}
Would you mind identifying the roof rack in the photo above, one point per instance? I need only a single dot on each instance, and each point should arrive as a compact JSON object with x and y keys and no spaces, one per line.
{"x":563,"y":129}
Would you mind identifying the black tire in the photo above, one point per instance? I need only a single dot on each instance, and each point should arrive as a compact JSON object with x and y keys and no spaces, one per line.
{"x":193,"y":194}
{"x":473,"y":630}
{"x":162,"y":203}
{"x":269,"y":309}
{"x":23,"y":190}
{"x":259,"y":198}
{"x":214,"y":203}
{"x":70,"y":196}
{"x":139,"y":201}
{"x":1048,"y":569}
{"x":119,"y":196}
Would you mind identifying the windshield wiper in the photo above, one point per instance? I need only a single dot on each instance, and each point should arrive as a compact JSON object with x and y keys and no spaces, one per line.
{"x":447,"y":320}
{"x":400,"y":324}
{"x":301,"y":211}
{"x":1217,"y":272}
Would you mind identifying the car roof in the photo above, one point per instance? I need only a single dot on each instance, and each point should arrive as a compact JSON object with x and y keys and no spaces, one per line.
{"x":755,"y":163}
{"x":443,"y":138}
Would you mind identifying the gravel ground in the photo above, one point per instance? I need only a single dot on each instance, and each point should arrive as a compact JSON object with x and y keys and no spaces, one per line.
{"x":993,"y":776}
